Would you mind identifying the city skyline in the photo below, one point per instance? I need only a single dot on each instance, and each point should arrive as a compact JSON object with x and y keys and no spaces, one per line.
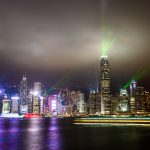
{"x":74,"y":74}
{"x":61,"y":43}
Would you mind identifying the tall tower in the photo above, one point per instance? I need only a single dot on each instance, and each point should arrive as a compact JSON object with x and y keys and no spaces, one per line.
{"x":36,"y":97}
{"x":23,"y":96}
{"x":105,"y":86}
{"x":123,"y":101}
{"x":133,"y":89}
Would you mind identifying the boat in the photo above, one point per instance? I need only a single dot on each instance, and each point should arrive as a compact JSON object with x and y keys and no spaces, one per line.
{"x":32,"y":115}
{"x":123,"y":120}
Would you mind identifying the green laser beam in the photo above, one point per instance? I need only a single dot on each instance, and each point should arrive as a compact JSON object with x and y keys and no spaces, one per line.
{"x":60,"y":82}
{"x":140,"y":74}
{"x":107,"y":40}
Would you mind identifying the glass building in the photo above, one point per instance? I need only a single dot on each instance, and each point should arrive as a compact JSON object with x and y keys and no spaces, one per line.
{"x":23,"y":96}
{"x":105,"y":86}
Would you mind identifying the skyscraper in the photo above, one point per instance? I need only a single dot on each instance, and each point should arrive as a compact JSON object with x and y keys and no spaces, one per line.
{"x":140,"y":97}
{"x":6,"y":106}
{"x":53,"y":105}
{"x":92,"y":103}
{"x":36,"y":97}
{"x":105,"y":86}
{"x":14,"y":104}
{"x":30,"y":101}
{"x":23,"y":96}
{"x":123,"y":101}
{"x":133,"y":89}
{"x":80,"y":103}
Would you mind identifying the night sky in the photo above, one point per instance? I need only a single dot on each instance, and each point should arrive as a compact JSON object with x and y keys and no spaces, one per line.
{"x":58,"y":42}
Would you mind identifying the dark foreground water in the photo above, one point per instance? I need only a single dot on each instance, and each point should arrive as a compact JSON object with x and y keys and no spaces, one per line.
{"x":62,"y":134}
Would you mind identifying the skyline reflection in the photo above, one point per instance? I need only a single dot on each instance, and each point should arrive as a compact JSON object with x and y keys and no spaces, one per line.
{"x":29,"y":134}
{"x":63,"y":134}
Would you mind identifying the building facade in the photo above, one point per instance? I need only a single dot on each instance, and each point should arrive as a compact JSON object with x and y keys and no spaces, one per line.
{"x":23,"y":109}
{"x":36,"y":97}
{"x":105,"y":86}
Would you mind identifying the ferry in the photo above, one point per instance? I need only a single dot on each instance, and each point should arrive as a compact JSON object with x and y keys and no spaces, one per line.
{"x":123,"y":120}
{"x":32,"y":115}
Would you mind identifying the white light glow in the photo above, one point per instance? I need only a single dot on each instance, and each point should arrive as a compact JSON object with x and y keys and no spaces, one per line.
{"x":35,"y":93}
{"x":54,"y":104}
{"x":11,"y":115}
{"x":41,"y":97}
{"x":15,"y":98}
{"x":104,"y":56}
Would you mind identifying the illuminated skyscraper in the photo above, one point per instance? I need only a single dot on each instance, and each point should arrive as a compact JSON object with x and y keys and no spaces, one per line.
{"x":30,"y":102}
{"x":80,"y":103}
{"x":140,"y":97}
{"x":123,"y":101}
{"x":36,"y":97}
{"x":59,"y":103}
{"x":105,"y":86}
{"x":147,"y":94}
{"x":133,"y":89}
{"x":6,"y":106}
{"x":92,"y":104}
{"x":74,"y":101}
{"x":14,"y":104}
{"x":138,"y":103}
{"x":53,"y":105}
{"x":23,"y":96}
{"x":37,"y":88}
{"x":66,"y":107}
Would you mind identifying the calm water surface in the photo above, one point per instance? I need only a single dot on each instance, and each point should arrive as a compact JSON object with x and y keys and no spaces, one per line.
{"x":62,"y":134}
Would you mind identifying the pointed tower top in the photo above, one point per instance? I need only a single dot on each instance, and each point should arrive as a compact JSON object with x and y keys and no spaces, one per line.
{"x":24,"y":77}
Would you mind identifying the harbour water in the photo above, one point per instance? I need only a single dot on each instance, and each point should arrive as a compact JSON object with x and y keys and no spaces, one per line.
{"x":63,"y":134}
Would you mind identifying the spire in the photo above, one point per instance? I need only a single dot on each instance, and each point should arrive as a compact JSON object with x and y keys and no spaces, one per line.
{"x":24,"y":77}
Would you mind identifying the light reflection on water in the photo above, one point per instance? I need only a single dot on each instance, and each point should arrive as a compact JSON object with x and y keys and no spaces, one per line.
{"x":112,"y":124}
{"x":62,"y":134}
{"x":42,"y":135}
{"x":29,"y":134}
{"x":9,"y":134}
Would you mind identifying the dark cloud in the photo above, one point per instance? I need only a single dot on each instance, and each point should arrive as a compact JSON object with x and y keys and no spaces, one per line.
{"x":47,"y":36}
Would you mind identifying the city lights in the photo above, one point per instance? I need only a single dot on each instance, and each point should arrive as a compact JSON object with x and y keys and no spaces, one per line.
{"x":74,"y":74}
{"x":132,"y":101}
{"x":15,"y":98}
{"x":105,"y":86}
{"x":35,"y":93}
